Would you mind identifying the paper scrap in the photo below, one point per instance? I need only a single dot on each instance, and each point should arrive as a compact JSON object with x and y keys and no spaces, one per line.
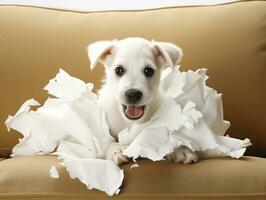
{"x":104,"y":175}
{"x":20,"y":114}
{"x":192,"y":87}
{"x":134,"y":166}
{"x":66,"y":86}
{"x":53,"y":172}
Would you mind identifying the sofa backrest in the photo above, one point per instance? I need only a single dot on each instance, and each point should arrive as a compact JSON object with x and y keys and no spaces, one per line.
{"x":229,"y":40}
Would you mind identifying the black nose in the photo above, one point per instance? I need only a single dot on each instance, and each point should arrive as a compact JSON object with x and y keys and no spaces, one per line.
{"x":133,"y":95}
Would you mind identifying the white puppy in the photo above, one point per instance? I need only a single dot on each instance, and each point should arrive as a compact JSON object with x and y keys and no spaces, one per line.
{"x":130,"y":93}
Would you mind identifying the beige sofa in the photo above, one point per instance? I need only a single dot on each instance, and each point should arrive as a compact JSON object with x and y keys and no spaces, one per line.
{"x":229,"y":40}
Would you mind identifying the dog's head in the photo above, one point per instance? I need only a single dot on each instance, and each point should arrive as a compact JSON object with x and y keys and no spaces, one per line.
{"x":133,"y":67}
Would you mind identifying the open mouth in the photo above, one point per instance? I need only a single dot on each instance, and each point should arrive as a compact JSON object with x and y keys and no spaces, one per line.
{"x":133,"y":112}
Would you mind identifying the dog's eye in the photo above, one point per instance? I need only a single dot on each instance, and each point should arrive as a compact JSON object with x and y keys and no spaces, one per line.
{"x":119,"y":70}
{"x":148,"y":71}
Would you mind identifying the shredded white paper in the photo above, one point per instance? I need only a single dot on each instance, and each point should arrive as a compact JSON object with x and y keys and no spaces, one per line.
{"x":72,"y":126}
{"x":53,"y":172}
{"x":135,"y":165}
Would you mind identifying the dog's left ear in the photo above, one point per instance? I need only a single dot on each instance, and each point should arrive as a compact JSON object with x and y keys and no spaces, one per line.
{"x":98,"y":51}
{"x":168,"y":54}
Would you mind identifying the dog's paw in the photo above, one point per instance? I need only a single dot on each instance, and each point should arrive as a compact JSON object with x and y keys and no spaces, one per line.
{"x":114,"y":153}
{"x":183,"y":155}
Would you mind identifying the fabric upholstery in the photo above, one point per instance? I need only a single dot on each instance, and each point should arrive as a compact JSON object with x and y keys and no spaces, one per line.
{"x":229,"y":40}
{"x":225,"y":178}
{"x":102,"y":5}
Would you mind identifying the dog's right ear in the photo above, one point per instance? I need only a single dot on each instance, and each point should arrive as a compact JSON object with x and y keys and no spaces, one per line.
{"x":98,"y":51}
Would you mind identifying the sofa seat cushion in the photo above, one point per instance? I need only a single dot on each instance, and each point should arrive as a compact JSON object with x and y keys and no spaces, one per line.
{"x":222,"y":177}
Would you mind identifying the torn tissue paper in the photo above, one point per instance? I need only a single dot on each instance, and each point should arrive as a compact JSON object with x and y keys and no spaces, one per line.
{"x":191,"y":116}
{"x":72,"y":125}
{"x":135,"y":165}
{"x":53,"y":172}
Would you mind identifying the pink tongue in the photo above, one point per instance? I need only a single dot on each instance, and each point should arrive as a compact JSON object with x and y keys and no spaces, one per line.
{"x":134,"y":111}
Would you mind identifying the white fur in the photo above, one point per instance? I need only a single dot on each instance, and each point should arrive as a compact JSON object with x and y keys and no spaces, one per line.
{"x":134,"y":54}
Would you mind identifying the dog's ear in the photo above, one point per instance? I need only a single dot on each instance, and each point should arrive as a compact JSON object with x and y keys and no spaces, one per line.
{"x":98,"y":51}
{"x":168,"y":54}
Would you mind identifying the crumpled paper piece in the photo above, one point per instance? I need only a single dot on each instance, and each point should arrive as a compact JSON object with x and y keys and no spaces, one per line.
{"x":135,"y":165}
{"x":53,"y":172}
{"x":191,"y":86}
{"x":192,"y":116}
{"x":89,"y":171}
{"x":72,"y":126}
